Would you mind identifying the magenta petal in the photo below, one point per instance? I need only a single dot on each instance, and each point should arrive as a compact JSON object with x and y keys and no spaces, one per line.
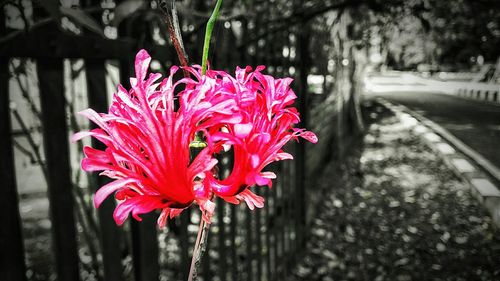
{"x":142,"y":60}
{"x":268,"y":175}
{"x":91,"y":165}
{"x":175,"y":212}
{"x":94,"y":117}
{"x":207,"y":208}
{"x":166,"y":214}
{"x":260,"y":180}
{"x":96,"y":133}
{"x":109,"y":188}
{"x":162,"y":219}
{"x":96,"y":154}
{"x":242,"y":130}
{"x":122,"y":210}
{"x":231,"y":199}
{"x":310,"y":136}
{"x":251,"y":199}
{"x":254,"y":160}
{"x":80,"y":135}
{"x":137,"y":205}
{"x":283,"y":156}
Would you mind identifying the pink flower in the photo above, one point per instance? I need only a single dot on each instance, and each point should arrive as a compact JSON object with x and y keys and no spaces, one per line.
{"x":148,"y":135}
{"x":147,"y":142}
{"x":266,"y":126}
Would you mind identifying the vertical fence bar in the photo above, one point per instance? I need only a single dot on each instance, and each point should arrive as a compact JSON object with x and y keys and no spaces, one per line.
{"x":290,"y":186}
{"x":185,"y":219}
{"x":234,"y":256}
{"x":110,"y":235}
{"x":300,"y":200}
{"x":55,"y":135}
{"x":144,"y":236}
{"x":258,"y":242}
{"x":11,"y":240}
{"x":145,"y":248}
{"x":278,"y":197}
{"x":268,"y":235}
{"x":222,"y":239}
{"x":249,"y":244}
{"x":274,"y":231}
{"x":284,"y":216}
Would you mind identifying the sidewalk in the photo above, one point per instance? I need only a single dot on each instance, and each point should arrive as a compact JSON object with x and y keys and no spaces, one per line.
{"x":399,"y":213}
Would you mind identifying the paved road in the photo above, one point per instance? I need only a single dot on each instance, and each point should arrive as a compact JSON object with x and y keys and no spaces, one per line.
{"x":475,"y":123}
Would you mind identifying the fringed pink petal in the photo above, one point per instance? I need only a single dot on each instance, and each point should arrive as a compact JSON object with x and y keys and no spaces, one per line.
{"x":310,"y":136}
{"x":142,"y":60}
{"x":112,"y":174}
{"x":103,"y":192}
{"x":203,"y":162}
{"x":207,"y":208}
{"x":231,"y":199}
{"x":167,"y":213}
{"x":268,"y":175}
{"x":242,"y":130}
{"x":251,"y":199}
{"x":254,"y":160}
{"x":140,"y":204}
{"x":94,"y":117}
{"x":92,"y":165}
{"x":283,"y":156}
{"x":96,"y":133}
{"x":260,"y":180}
{"x":96,"y":154}
{"x":162,"y":219}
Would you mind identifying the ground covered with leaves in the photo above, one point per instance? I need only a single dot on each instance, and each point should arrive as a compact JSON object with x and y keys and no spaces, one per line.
{"x":398,"y":213}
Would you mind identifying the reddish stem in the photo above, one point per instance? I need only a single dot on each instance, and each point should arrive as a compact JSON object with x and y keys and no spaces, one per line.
{"x":199,"y":249}
{"x":170,"y":17}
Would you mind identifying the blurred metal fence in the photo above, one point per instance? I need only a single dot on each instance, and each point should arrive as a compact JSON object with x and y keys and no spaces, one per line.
{"x":243,"y":244}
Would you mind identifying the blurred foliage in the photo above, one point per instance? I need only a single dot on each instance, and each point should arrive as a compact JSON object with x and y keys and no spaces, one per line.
{"x":412,"y":32}
{"x":435,"y":32}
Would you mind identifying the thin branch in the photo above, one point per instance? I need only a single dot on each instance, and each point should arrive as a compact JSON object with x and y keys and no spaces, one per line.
{"x":31,"y":141}
{"x":24,"y":150}
{"x":170,"y":17}
{"x":90,"y":242}
{"x":23,"y":16}
{"x":25,"y":92}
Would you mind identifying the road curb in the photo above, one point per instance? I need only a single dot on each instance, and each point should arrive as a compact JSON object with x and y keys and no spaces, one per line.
{"x":482,"y":176}
{"x":480,"y":91}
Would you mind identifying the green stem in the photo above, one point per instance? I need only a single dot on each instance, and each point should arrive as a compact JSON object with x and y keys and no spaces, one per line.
{"x":208,"y":35}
